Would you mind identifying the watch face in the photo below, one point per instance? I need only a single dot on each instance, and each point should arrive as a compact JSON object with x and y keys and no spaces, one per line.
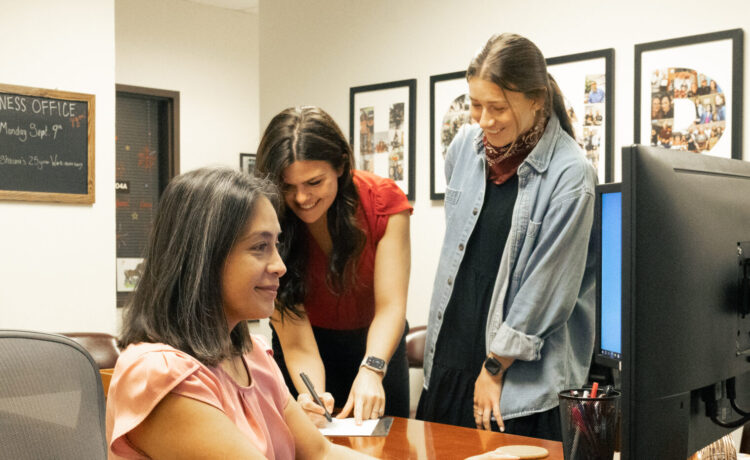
{"x":493,"y":366}
{"x":377,"y":363}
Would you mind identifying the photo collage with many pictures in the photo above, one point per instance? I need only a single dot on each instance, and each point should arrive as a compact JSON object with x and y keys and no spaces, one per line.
{"x":688,"y":110}
{"x":593,"y":118}
{"x":379,"y":148}
{"x":457,"y":115}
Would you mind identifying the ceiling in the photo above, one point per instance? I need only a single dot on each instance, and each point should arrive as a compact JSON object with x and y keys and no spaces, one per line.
{"x":245,"y":6}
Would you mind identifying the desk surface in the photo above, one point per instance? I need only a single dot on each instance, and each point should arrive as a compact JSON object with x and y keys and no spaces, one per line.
{"x":415,"y":439}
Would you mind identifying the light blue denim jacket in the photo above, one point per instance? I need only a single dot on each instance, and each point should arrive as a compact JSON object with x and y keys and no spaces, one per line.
{"x":542,"y":311}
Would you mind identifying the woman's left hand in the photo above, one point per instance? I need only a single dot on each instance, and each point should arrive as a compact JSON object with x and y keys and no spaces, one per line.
{"x":487,"y":391}
{"x":366,"y":397}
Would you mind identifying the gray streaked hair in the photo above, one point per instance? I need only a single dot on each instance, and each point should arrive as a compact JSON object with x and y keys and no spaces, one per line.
{"x":178,"y":299}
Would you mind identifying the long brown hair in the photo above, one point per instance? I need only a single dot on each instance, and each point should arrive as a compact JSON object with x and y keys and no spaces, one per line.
{"x":310,"y":134}
{"x":514,"y":63}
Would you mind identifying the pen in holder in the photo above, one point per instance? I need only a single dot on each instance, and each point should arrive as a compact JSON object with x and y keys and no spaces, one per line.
{"x":589,"y":424}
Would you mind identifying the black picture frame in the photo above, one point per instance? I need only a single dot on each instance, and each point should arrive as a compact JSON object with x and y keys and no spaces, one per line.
{"x":716,"y":58}
{"x":247,"y":162}
{"x":575,"y":74}
{"x":447,"y":115}
{"x":397,"y":139}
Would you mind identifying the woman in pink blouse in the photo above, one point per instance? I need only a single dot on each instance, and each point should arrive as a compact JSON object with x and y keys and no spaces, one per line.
{"x":191,"y":381}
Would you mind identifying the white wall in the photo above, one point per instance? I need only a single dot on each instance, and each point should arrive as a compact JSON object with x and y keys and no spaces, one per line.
{"x":209,"y":55}
{"x":57,"y":261}
{"x":313,"y":52}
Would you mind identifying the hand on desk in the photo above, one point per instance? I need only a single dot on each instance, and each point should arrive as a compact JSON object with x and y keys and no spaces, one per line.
{"x":487,"y":391}
{"x":366,"y":397}
{"x":313,"y":411}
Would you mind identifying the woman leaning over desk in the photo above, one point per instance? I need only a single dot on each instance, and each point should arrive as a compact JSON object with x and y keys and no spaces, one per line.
{"x":515,"y":282}
{"x":341,"y":308}
{"x":192,"y":382}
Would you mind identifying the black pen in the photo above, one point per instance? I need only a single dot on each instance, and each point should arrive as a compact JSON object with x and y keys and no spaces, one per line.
{"x":311,"y":389}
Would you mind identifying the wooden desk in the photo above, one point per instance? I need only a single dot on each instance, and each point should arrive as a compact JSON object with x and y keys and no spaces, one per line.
{"x":106,"y":377}
{"x":415,"y":439}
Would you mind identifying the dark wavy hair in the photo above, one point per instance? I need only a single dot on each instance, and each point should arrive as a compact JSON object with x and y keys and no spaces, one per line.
{"x":178,"y":299}
{"x":514,"y":63}
{"x":310,"y":134}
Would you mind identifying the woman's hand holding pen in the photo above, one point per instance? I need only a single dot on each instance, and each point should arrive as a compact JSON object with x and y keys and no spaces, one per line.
{"x":314,"y":411}
{"x":487,"y":391}
{"x":366,"y":397}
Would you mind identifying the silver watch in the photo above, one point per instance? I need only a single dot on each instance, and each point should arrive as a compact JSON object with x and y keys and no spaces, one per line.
{"x":374,"y":363}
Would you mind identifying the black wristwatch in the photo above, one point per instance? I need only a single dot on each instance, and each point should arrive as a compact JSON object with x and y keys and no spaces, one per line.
{"x":493,"y":366}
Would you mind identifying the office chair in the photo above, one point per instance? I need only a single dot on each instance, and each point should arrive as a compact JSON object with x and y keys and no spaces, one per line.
{"x":51,"y":399}
{"x":102,"y":347}
{"x":415,"y":340}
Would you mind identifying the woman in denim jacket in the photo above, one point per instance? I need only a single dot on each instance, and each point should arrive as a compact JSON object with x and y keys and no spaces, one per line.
{"x":516,"y":278}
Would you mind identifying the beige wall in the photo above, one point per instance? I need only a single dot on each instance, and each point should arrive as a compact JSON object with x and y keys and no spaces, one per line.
{"x":209,"y":55}
{"x":57,"y":261}
{"x":313,"y":52}
{"x":235,"y":71}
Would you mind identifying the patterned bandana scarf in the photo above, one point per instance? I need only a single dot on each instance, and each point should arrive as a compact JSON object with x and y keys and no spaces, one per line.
{"x":504,"y":161}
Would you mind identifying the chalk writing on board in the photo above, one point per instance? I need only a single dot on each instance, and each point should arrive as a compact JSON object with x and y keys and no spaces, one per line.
{"x":39,"y":163}
{"x":33,"y":131}
{"x":46,"y":153}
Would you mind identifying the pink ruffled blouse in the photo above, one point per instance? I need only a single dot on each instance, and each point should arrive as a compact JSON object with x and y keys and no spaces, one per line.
{"x":146,"y":372}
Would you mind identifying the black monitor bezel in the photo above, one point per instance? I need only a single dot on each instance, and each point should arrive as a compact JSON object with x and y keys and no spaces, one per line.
{"x":660,"y":417}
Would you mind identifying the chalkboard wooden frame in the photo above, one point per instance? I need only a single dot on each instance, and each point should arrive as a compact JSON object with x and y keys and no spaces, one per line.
{"x":55,"y":195}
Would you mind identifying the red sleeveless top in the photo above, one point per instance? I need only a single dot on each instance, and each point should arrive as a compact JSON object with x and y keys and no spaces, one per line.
{"x":379,"y":199}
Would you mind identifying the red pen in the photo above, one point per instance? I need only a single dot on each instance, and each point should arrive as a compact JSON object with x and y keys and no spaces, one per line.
{"x":594,"y":389}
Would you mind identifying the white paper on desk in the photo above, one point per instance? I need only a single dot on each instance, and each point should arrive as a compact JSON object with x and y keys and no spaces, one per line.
{"x":347,"y":427}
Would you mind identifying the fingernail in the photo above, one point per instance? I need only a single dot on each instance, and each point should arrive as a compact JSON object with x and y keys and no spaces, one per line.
{"x":502,"y":429}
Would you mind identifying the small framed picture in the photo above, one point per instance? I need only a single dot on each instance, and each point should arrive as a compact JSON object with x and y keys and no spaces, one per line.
{"x":382,"y":120}
{"x":586,"y":81}
{"x":247,"y":162}
{"x":688,"y":93}
{"x":129,"y":272}
{"x":449,"y":111}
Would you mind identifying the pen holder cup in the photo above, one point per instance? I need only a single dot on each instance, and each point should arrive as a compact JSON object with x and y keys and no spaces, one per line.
{"x":590,"y":426}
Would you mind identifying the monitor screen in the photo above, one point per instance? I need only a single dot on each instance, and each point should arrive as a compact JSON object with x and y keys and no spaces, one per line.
{"x":609,"y":276}
{"x":684,"y":334}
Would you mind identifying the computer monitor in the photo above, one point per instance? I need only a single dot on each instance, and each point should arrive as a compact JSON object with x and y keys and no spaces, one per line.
{"x":683,"y":334}
{"x":608,"y":349}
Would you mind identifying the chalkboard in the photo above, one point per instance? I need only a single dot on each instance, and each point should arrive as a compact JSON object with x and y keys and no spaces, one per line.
{"x":46,"y":145}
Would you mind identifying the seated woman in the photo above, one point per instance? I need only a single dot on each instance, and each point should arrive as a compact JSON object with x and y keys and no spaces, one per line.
{"x":191,"y":381}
